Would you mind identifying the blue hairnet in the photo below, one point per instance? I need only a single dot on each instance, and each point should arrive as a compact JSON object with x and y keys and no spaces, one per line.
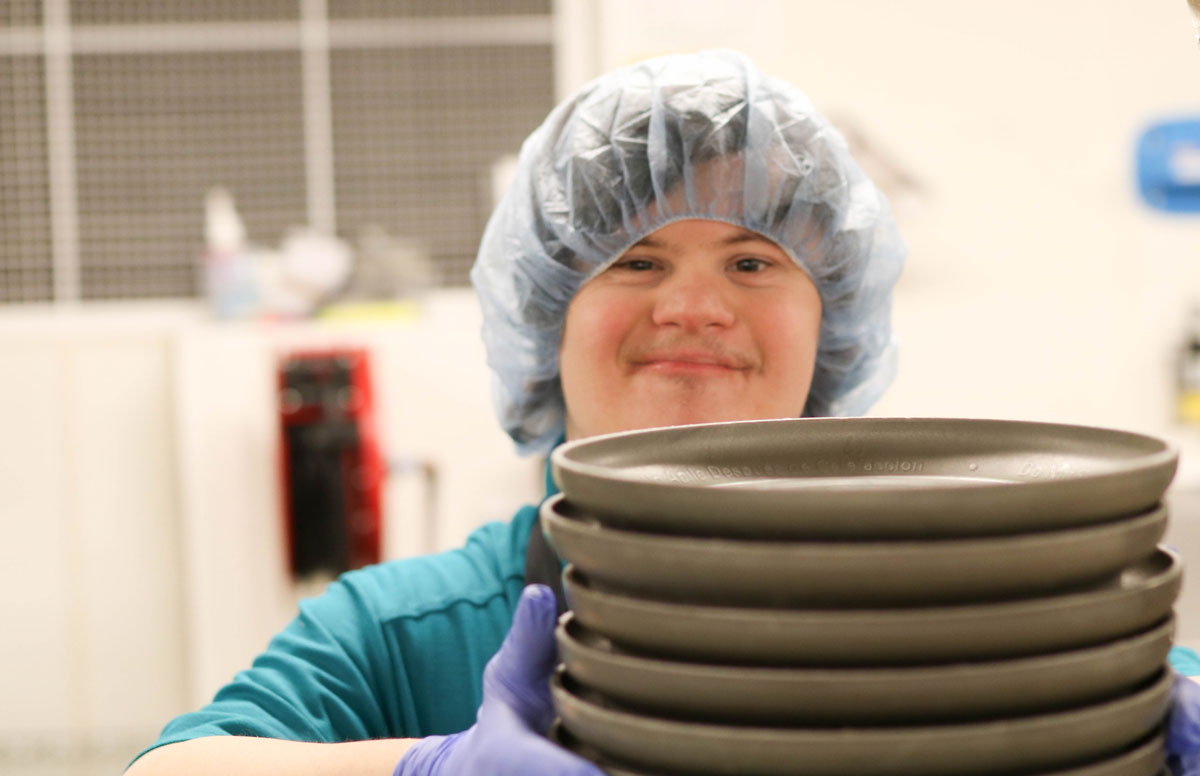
{"x":704,"y":135}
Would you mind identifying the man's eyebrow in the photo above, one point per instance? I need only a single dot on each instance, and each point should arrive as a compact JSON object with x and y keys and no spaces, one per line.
{"x":745,"y":236}
{"x":649,"y":241}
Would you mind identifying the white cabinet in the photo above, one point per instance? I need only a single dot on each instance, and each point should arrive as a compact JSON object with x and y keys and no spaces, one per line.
{"x":89,"y":568}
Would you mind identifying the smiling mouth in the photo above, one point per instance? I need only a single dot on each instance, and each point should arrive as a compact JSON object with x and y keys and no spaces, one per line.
{"x":686,"y":364}
{"x":686,"y":367}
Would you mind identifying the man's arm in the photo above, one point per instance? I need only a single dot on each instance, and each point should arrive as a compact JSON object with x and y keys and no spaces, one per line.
{"x":235,"y":755}
{"x":506,"y":738}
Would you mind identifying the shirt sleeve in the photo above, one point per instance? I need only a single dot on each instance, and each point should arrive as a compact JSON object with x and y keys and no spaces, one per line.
{"x":395,"y":650}
{"x":1184,"y":660}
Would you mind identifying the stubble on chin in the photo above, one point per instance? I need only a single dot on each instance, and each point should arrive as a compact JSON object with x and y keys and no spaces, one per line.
{"x":678,"y":400}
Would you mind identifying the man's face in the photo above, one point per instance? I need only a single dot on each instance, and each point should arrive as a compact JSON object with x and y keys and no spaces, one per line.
{"x":699,"y":322}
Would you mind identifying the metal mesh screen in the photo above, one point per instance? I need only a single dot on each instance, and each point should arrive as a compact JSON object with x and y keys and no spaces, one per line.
{"x":166,"y":11}
{"x":153,"y":133}
{"x":212,"y":93}
{"x":416,"y":132}
{"x":16,"y":13}
{"x":391,"y":9}
{"x":25,"y":250}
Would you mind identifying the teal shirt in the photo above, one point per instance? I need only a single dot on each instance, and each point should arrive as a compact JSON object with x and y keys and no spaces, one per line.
{"x":1184,"y":660}
{"x":395,"y":650}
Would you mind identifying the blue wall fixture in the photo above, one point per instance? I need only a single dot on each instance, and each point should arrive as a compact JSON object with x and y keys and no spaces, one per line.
{"x":1168,"y":166}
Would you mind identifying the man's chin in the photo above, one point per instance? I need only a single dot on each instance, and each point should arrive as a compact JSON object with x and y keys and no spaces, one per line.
{"x":677,"y":417}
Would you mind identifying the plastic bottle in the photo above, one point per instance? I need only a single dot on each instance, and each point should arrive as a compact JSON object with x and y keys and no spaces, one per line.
{"x":230,"y":280}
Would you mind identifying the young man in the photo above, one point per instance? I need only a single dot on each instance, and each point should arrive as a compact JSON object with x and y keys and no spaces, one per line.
{"x":686,"y":240}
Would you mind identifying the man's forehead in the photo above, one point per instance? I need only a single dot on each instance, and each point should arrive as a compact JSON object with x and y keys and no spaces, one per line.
{"x":730,"y":234}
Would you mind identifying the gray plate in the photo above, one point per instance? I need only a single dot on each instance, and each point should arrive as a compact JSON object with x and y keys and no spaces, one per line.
{"x":863,"y":478}
{"x":947,"y":693}
{"x":1140,"y":597}
{"x":1144,"y":759}
{"x":742,"y":571}
{"x":1043,"y":742}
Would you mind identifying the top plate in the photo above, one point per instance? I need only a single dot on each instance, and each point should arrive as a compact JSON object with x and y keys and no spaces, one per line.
{"x":863,"y":478}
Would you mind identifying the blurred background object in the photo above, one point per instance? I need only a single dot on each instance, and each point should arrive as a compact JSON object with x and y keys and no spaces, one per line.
{"x":332,"y":471}
{"x":145,"y":560}
{"x":1188,"y":402}
{"x":1168,"y":166}
{"x":388,"y":267}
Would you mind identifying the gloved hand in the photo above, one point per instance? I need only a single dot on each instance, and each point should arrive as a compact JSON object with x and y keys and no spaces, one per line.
{"x":1183,"y":728}
{"x":507,"y":738}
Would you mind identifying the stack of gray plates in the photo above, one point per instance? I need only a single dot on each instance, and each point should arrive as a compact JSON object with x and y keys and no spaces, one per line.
{"x":865,"y":596}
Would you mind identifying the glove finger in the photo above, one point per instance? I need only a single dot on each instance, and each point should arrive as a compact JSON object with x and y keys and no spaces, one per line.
{"x":529,"y":652}
{"x":518,"y":675}
{"x":1183,"y":725}
{"x":536,"y":756}
{"x":1184,"y":765}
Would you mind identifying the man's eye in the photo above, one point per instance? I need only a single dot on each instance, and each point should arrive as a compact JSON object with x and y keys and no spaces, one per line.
{"x":750,"y":265}
{"x":636,"y":265}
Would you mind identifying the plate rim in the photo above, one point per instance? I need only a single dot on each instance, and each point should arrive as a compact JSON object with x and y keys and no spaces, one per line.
{"x":563,"y":460}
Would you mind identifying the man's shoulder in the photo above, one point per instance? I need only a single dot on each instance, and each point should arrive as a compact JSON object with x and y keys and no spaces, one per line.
{"x":490,"y":564}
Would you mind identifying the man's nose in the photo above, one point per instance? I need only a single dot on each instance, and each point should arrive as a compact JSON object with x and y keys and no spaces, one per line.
{"x":692,"y":301}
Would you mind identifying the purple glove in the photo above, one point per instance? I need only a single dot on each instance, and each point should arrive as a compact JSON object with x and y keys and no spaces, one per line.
{"x":507,"y":738}
{"x":1183,"y":728}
